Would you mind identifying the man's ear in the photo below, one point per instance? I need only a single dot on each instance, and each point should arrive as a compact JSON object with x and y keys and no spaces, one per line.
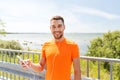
{"x":50,"y":27}
{"x":64,"y":27}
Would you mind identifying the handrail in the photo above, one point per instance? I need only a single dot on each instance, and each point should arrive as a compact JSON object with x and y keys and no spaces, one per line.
{"x":100,"y":59}
{"x":11,"y":50}
{"x":9,"y":65}
{"x":3,"y":62}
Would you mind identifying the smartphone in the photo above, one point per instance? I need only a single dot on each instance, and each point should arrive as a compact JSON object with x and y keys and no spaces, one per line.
{"x":19,"y":58}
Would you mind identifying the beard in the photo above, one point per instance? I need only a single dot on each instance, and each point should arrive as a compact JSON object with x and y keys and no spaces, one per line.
{"x":58,"y":36}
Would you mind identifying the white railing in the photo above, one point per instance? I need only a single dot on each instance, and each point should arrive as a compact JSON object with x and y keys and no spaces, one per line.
{"x":99,"y":59}
{"x":10,"y":68}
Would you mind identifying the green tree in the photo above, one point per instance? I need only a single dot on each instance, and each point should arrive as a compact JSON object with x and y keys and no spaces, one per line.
{"x":2,"y":30}
{"x":106,"y":46}
{"x":11,"y":44}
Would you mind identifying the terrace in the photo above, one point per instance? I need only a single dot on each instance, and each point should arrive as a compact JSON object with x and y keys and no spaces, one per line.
{"x":11,"y":70}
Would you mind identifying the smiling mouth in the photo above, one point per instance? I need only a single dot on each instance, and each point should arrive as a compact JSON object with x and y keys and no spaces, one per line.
{"x":57,"y":32}
{"x":57,"y":35}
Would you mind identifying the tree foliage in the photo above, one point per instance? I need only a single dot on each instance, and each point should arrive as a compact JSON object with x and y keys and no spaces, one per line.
{"x":2,"y":30}
{"x":11,"y":44}
{"x":106,"y":46}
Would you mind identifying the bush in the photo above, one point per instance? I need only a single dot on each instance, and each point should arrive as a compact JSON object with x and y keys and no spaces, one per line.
{"x":12,"y":44}
{"x":107,"y":46}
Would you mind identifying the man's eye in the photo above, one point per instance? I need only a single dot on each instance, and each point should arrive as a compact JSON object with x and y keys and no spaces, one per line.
{"x":53,"y":26}
{"x":59,"y":26}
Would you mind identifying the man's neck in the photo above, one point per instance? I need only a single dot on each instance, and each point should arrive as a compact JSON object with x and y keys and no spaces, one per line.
{"x":59,"y":40}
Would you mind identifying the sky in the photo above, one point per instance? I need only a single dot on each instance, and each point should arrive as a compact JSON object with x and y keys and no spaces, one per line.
{"x":81,"y":16}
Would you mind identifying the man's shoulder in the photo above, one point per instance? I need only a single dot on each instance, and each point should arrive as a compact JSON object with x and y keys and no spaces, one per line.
{"x":48,"y":42}
{"x":69,"y":41}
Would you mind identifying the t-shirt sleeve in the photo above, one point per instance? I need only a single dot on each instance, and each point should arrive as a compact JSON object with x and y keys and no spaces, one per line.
{"x":75,"y":51}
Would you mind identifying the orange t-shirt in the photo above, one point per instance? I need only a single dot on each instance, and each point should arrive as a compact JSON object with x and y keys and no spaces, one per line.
{"x":59,"y":57}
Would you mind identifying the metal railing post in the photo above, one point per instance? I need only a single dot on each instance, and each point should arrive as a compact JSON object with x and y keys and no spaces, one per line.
{"x":110,"y":70}
{"x":98,"y":69}
{"x":87,"y":68}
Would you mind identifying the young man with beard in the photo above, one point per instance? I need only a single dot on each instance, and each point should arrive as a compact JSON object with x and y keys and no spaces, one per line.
{"x":58,"y":54}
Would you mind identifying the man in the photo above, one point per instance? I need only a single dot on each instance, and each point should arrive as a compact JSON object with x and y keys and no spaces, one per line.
{"x":58,"y":54}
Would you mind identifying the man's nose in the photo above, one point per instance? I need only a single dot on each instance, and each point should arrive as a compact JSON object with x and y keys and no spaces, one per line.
{"x":56,"y":29}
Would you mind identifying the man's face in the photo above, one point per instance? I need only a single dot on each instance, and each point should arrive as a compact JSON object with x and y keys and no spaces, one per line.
{"x":57,"y":28}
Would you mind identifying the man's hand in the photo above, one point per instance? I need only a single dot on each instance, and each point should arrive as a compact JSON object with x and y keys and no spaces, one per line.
{"x":26,"y":64}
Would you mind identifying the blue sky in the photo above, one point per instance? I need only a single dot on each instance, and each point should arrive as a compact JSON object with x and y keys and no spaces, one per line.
{"x":81,"y":16}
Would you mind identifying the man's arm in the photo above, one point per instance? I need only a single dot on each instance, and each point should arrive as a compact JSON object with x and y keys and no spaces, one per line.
{"x":77,"y":71}
{"x":26,"y":64}
{"x":38,"y":67}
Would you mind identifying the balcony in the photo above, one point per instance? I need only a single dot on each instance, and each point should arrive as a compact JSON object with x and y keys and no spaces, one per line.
{"x":11,"y":70}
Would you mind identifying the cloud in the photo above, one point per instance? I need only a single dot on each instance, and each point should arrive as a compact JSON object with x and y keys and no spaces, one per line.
{"x":96,"y":12}
{"x":31,"y":15}
{"x":26,"y":8}
{"x":27,"y":27}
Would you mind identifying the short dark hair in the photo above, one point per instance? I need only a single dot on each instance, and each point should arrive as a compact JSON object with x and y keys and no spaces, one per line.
{"x":57,"y":18}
